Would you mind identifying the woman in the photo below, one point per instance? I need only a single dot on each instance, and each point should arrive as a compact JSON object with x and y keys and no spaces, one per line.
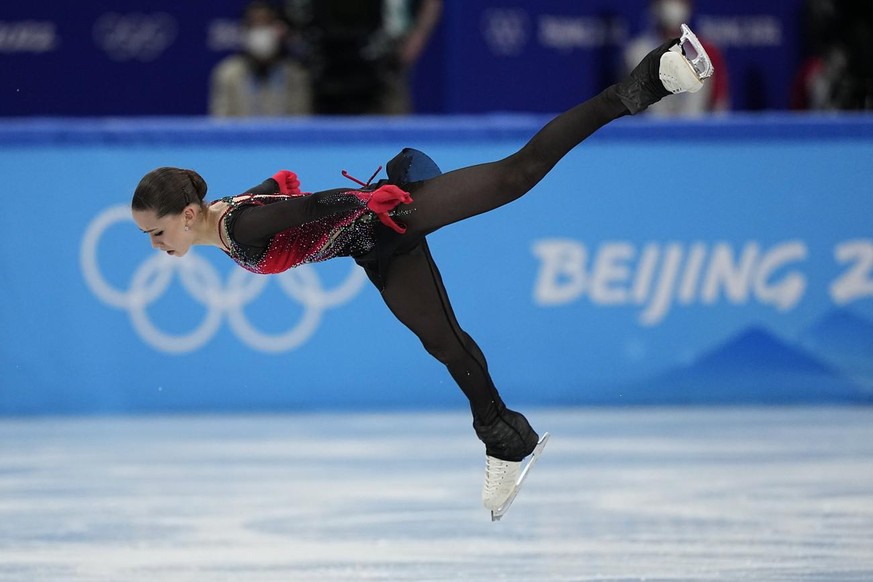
{"x":274,"y":227}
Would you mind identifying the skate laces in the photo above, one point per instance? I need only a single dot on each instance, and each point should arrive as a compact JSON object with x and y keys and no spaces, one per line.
{"x":499,"y":475}
{"x":356,"y":181}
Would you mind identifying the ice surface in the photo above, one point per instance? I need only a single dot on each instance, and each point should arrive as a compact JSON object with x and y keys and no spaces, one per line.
{"x":620,"y":494}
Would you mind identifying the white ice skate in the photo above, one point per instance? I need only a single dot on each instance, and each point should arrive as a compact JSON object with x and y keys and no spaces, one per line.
{"x":684,"y":67}
{"x":503,"y":480}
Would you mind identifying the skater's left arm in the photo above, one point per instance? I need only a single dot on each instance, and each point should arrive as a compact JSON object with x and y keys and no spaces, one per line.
{"x":282,"y":182}
{"x":259,"y":223}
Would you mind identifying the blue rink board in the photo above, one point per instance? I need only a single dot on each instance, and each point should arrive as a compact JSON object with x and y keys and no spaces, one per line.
{"x":717,"y":261}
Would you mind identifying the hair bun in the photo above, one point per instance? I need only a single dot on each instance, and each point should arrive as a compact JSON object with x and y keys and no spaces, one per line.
{"x":198,"y":182}
{"x":167,"y":191}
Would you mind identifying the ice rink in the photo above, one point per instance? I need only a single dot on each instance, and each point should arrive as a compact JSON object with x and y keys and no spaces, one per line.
{"x":620,"y":494}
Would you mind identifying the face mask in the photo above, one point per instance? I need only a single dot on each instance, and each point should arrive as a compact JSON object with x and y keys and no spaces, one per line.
{"x":261,"y":42}
{"x":672,"y":13}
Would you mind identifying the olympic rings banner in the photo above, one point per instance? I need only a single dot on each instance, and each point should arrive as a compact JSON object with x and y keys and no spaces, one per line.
{"x":720,"y":261}
{"x":201,"y":281}
{"x":61,"y":58}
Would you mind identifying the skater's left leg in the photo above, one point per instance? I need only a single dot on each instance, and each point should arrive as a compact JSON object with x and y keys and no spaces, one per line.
{"x":466,"y":192}
{"x":415,"y":293}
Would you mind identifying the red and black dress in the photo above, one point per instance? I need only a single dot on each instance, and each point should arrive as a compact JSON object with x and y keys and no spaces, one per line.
{"x":275,"y":227}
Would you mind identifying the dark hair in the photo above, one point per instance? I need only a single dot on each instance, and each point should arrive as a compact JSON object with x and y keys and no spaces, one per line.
{"x":168,"y":191}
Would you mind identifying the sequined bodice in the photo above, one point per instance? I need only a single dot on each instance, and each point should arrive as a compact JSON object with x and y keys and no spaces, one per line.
{"x":349,"y":232}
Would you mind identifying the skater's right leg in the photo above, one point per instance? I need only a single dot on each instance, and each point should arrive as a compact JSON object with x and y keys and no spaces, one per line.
{"x":678,"y":66}
{"x":473,"y":190}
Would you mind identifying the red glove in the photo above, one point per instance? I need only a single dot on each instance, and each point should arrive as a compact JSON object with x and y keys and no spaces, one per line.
{"x":288,"y":182}
{"x":385,"y":199}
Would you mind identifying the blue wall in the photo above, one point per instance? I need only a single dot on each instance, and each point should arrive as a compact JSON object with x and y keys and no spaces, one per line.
{"x":130,"y":57}
{"x":727,"y":260}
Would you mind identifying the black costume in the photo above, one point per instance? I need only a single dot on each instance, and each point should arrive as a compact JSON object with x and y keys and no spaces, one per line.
{"x":339,"y":223}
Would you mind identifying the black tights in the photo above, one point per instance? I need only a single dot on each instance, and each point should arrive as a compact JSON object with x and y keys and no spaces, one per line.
{"x":414,"y":290}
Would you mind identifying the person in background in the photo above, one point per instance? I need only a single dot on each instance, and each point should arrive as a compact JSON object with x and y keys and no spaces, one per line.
{"x":361,"y":53}
{"x":410,"y":26}
{"x":838,"y":72}
{"x":260,"y":80}
{"x":666,"y":18}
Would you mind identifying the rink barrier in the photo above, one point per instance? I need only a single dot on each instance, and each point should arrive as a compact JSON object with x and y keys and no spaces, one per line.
{"x":719,"y":261}
{"x":15,"y":132}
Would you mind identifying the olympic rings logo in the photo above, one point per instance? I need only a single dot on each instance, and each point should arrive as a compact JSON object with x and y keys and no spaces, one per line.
{"x":203,"y":283}
{"x":135,"y":36}
{"x":505,"y":30}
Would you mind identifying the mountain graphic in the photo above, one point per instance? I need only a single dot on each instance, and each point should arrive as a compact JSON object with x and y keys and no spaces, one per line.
{"x":753,"y":367}
{"x":845,"y":340}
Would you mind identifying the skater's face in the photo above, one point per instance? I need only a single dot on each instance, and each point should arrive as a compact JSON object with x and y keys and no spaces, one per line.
{"x":167,"y":233}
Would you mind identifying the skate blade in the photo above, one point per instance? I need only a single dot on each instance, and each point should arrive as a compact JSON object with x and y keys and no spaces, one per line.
{"x":500,"y":511}
{"x":696,"y":55}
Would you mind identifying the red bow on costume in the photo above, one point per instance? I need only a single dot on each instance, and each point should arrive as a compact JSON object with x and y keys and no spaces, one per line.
{"x":288,"y":182}
{"x":383,"y":200}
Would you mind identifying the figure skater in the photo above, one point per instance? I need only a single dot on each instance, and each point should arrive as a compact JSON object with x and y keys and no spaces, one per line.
{"x":274,"y":227}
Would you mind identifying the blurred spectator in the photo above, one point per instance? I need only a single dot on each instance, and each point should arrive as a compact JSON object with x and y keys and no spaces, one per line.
{"x":362,"y":51}
{"x":261,"y":79}
{"x":838,"y":74}
{"x":666,"y":17}
{"x":823,"y":84}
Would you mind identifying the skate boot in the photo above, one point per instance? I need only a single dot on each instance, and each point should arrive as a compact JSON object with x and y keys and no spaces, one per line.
{"x":686,"y":65}
{"x":500,"y":479}
{"x":508,"y":440}
{"x":677,"y":66}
